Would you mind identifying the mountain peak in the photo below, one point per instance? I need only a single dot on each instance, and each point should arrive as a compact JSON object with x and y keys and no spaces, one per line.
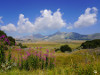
{"x":38,"y":35}
{"x":63,"y":36}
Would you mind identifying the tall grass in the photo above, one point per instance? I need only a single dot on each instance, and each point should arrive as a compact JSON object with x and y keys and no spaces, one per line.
{"x":38,"y":61}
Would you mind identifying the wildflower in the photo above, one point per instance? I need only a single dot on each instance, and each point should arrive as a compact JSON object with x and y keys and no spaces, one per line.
{"x":18,"y":49}
{"x":95,"y":71}
{"x":44,"y":58}
{"x":2,"y":36}
{"x":47,"y":51}
{"x":25,"y":57}
{"x":20,"y":54}
{"x":29,"y":48}
{"x":35,"y":51}
{"x":54,"y":52}
{"x":46,"y":55}
{"x":9,"y":43}
{"x":40,"y":47}
{"x":19,"y":64}
{"x":15,"y":44}
{"x":36,"y":47}
{"x":6,"y":39}
{"x":50,"y":54}
{"x":28,"y":54}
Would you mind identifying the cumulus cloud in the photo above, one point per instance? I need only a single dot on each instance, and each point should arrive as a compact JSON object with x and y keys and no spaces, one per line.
{"x":10,"y":27}
{"x":24,"y":25}
{"x":1,"y":20}
{"x":87,"y":19}
{"x":49,"y":21}
{"x":70,"y":27}
{"x":46,"y":22}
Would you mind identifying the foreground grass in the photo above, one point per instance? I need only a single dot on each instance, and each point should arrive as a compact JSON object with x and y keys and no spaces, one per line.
{"x":80,"y":62}
{"x":67,"y":70}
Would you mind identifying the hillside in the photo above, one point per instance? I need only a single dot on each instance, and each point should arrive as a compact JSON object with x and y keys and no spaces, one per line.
{"x":58,"y":36}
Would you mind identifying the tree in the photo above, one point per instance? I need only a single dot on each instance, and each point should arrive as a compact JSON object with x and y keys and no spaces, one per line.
{"x":65,"y":48}
{"x":2,"y":33}
{"x":12,"y":40}
{"x":91,"y":44}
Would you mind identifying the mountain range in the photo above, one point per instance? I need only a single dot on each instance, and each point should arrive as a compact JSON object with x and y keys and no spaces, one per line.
{"x":63,"y":36}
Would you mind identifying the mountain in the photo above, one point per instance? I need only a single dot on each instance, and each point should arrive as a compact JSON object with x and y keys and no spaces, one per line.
{"x":94,"y":36}
{"x":63,"y":36}
{"x":34,"y":36}
{"x":56,"y":36}
{"x":76,"y":36}
{"x":38,"y":36}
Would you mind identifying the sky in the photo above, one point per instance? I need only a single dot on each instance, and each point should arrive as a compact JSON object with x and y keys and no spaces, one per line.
{"x":27,"y":17}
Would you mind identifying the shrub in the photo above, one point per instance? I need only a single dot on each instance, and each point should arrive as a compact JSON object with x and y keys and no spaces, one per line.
{"x":23,"y":46}
{"x":2,"y":33}
{"x":7,"y":40}
{"x":20,"y":44}
{"x":12,"y":40}
{"x":65,"y":48}
{"x":91,"y":44}
{"x":57,"y":49}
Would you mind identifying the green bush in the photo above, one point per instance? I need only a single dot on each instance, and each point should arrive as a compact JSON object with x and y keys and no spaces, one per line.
{"x":12,"y":40}
{"x":65,"y":48}
{"x":57,"y":49}
{"x":91,"y":44}
{"x":7,"y":39}
{"x":20,"y":44}
{"x":2,"y":33}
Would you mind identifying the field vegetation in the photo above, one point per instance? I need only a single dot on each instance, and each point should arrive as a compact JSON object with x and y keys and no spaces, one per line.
{"x":41,"y":59}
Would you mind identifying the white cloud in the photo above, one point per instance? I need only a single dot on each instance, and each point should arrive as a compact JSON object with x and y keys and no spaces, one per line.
{"x":1,"y":20}
{"x":87,"y":19}
{"x":70,"y":27}
{"x":24,"y":25}
{"x":10,"y":28}
{"x":46,"y":22}
{"x":49,"y":21}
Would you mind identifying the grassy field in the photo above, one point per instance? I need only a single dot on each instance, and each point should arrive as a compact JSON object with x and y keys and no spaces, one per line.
{"x":79,"y":62}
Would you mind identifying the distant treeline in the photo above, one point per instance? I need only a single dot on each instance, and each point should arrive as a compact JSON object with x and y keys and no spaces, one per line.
{"x":91,"y":44}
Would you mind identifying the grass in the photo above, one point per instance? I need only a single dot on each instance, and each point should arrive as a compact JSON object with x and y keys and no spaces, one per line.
{"x":79,"y":62}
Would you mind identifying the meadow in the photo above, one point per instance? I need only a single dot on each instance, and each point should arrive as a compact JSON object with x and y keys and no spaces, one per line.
{"x":77,"y":62}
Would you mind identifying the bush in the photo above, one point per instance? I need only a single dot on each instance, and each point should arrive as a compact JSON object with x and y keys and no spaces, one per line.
{"x":7,"y":39}
{"x":23,"y":46}
{"x":91,"y":44}
{"x":2,"y":33}
{"x":20,"y":44}
{"x":65,"y":48}
{"x":12,"y":40}
{"x":57,"y":49}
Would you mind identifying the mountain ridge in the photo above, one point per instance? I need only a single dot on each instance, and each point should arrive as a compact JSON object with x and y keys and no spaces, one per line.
{"x":63,"y":36}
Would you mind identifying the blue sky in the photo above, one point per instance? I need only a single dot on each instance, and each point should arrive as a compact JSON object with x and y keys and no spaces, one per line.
{"x":13,"y":11}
